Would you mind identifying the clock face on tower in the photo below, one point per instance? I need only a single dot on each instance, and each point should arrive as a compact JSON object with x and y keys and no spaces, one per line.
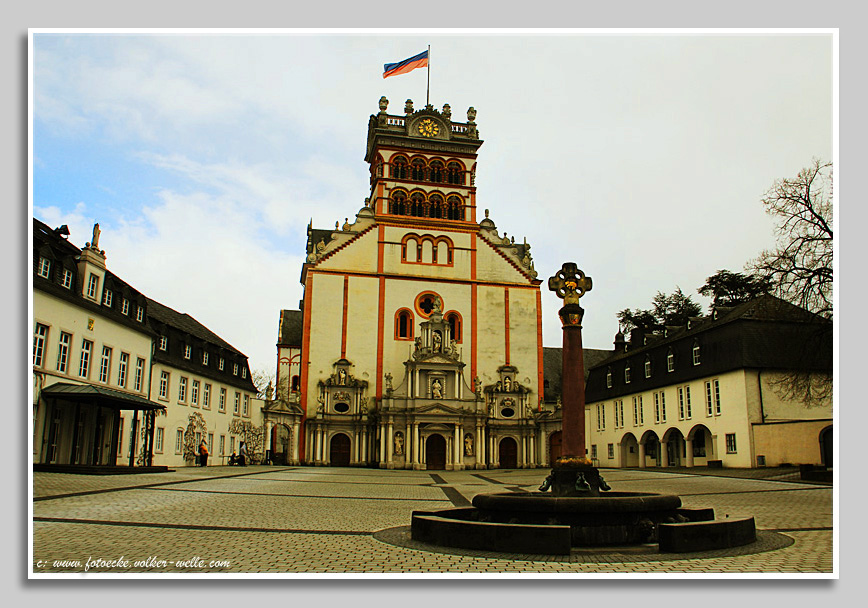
{"x":428,"y":128}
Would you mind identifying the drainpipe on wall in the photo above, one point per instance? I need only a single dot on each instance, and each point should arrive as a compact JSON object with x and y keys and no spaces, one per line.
{"x":760,"y":386}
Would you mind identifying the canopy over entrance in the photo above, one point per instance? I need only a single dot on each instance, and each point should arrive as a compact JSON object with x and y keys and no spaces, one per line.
{"x":101,"y":396}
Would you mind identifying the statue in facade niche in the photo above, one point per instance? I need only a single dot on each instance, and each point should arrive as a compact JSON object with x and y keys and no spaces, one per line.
{"x":477,"y":386}
{"x":437,"y":389}
{"x":342,"y":377}
{"x":437,"y":341}
{"x":453,"y":348}
{"x":468,"y":445}
{"x":507,"y":384}
{"x":399,"y":444}
{"x":388,"y":378}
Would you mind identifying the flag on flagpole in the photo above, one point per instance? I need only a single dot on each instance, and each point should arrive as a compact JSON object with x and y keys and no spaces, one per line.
{"x":402,"y":67}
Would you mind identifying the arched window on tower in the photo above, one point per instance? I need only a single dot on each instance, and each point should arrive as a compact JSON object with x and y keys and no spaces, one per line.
{"x":417,"y":169}
{"x":435,"y":206}
{"x":454,"y":320}
{"x":436,"y":170}
{"x":455,"y":173}
{"x":399,"y":167}
{"x":398,"y":202}
{"x":404,"y":325}
{"x":455,"y":207}
{"x":417,"y":203}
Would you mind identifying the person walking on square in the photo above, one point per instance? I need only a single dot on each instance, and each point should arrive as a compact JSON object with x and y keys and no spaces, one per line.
{"x":203,"y":454}
{"x":243,"y":454}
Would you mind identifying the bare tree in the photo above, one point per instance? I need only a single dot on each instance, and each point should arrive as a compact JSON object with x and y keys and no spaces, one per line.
{"x":800,"y":266}
{"x":799,"y":270}
{"x":261,"y":379}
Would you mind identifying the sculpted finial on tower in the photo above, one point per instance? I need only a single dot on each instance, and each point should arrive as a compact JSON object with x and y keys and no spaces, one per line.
{"x":384,"y":103}
{"x":408,"y":106}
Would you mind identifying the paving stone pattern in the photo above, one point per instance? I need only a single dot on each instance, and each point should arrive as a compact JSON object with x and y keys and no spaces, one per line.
{"x":324,"y":520}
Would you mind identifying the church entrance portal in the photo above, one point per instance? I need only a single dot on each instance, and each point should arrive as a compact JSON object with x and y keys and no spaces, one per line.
{"x":508,"y":453}
{"x":555,"y":445}
{"x":435,"y":453}
{"x":339,"y":451}
{"x":826,"y":446}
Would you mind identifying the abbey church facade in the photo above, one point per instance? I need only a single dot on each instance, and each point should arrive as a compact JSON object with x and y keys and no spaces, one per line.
{"x":419,"y":340}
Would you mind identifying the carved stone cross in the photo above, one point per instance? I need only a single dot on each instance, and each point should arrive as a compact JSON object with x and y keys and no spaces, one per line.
{"x":570,"y":283}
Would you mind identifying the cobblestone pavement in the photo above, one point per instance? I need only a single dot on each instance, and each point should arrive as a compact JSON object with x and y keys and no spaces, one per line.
{"x":324,"y":520}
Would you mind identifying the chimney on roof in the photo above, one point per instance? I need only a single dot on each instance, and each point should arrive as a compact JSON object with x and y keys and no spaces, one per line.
{"x":620,"y":343}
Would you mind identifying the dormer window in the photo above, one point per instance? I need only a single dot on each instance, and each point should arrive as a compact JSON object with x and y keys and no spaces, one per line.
{"x":609,"y":378}
{"x":670,"y":362}
{"x":106,"y":297}
{"x":243,"y":372}
{"x":627,"y":374}
{"x":696,"y":354}
{"x":188,"y":350}
{"x":234,"y":369}
{"x":125,"y":307}
{"x":220,"y":364}
{"x":44,"y":268}
{"x":67,"y":279}
{"x":647,"y":367}
{"x":140,"y":314}
{"x":92,"y":284}
{"x":205,"y":358}
{"x":164,"y":342}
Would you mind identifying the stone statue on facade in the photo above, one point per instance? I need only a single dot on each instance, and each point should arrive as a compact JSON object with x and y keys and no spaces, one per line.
{"x":384,"y":103}
{"x":342,"y":377}
{"x":477,"y":387}
{"x":399,"y":444}
{"x":468,"y":445}
{"x":436,"y":389}
{"x":408,"y":106}
{"x":388,"y":384}
{"x":437,"y":341}
{"x":96,"y":232}
{"x":269,"y":392}
{"x":507,"y":385}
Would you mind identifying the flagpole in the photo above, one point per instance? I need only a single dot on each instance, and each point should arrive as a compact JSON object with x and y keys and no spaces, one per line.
{"x":428,"y":90}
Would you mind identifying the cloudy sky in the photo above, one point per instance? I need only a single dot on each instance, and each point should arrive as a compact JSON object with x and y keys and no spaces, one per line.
{"x":642,"y":158}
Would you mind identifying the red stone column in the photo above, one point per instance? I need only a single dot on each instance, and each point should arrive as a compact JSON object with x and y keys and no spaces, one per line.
{"x":573,"y":385}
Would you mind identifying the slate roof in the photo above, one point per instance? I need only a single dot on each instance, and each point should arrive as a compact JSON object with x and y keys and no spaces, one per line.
{"x":187,"y":324}
{"x":553,"y":362}
{"x":101,"y":395}
{"x":290,"y":331}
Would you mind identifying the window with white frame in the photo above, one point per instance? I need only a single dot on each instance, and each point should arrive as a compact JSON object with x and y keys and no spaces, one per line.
{"x":234,"y":369}
{"x":246,"y":411}
{"x":120,"y":435}
{"x":84,"y":361}
{"x":244,"y":372}
{"x":125,"y":306}
{"x":594,"y":451}
{"x":179,"y":441}
{"x":164,"y":385}
{"x":140,"y":314}
{"x":687,"y":408}
{"x":206,"y":396}
{"x":695,"y":353}
{"x":44,"y":268}
{"x":627,"y":374}
{"x":617,"y":416}
{"x":188,"y":351}
{"x":205,"y":358}
{"x":237,"y":407}
{"x":221,"y":406}
{"x":730,"y":444}
{"x":92,"y":285}
{"x":647,"y":367}
{"x":670,"y":362}
{"x":709,"y":400}
{"x":182,"y":389}
{"x":621,"y":412}
{"x":681,"y":403}
{"x":220,"y":364}
{"x":660,"y":407}
{"x":158,"y":440}
{"x":67,"y":278}
{"x":164,"y":342}
{"x":140,"y":374}
{"x":611,"y":450}
{"x":232,"y":444}
{"x":716,"y":384}
{"x":122,"y":369}
{"x":210,"y":442}
{"x":106,"y":297}
{"x":635,"y":411}
{"x":222,"y":444}
{"x":39,"y":337}
{"x":641,"y":411}
{"x":63,"y":351}
{"x":105,"y":364}
{"x":194,"y":394}
{"x":609,"y":378}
